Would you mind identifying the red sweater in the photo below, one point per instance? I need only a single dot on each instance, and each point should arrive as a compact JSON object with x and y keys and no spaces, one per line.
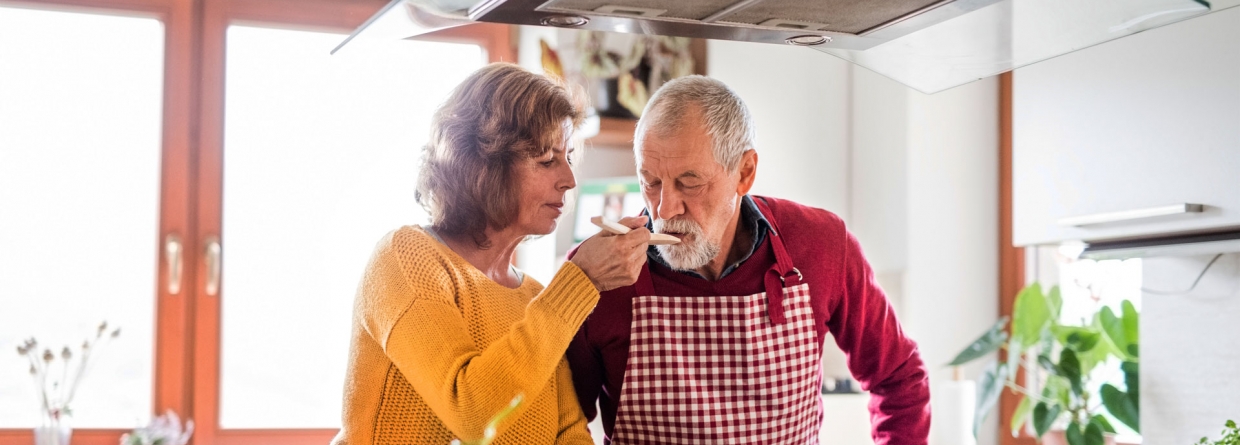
{"x":846,"y":300}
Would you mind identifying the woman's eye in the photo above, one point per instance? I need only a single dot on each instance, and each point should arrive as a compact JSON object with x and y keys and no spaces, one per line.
{"x":547,"y":163}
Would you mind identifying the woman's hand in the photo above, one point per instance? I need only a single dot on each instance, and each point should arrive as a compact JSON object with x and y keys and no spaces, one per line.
{"x":611,"y":260}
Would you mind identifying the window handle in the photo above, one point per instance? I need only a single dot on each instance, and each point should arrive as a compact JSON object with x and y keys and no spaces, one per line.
{"x":172,"y":255}
{"x":212,"y":287}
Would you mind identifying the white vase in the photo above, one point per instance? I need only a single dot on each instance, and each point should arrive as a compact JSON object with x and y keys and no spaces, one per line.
{"x":55,"y":429}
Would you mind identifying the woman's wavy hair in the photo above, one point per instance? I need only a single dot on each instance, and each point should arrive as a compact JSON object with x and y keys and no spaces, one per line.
{"x":499,"y":115}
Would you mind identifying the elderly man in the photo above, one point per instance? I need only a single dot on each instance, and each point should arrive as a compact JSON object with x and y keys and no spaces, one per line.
{"x":720,"y":339}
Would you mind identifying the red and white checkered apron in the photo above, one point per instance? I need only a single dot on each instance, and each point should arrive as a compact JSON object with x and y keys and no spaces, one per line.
{"x":723,"y":369}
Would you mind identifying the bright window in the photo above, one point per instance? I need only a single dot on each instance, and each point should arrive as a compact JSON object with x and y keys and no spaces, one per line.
{"x":80,"y":135}
{"x":320,"y":161}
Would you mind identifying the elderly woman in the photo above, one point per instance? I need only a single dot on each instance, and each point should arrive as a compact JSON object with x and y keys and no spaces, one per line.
{"x":445,"y":331}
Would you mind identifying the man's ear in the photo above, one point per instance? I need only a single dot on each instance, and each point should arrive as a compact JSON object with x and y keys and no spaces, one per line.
{"x":748,"y":171}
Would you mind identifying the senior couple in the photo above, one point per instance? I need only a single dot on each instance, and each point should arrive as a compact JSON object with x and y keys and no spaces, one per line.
{"x":716,"y":339}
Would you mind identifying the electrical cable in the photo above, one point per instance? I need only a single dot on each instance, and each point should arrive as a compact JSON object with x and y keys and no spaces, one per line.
{"x":1190,"y":288}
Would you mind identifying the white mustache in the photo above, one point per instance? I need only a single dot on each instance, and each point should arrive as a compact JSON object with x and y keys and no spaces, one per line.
{"x":684,"y":226}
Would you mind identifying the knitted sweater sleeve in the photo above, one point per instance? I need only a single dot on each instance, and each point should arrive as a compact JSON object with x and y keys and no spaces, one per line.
{"x":408,"y":298}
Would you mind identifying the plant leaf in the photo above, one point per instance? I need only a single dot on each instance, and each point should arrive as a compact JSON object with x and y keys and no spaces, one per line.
{"x":1093,"y":434}
{"x":1103,"y":423}
{"x":988,"y":343}
{"x":1044,"y":416}
{"x":1132,"y":379}
{"x":1030,"y":315}
{"x":1113,"y":326}
{"x":1074,"y":435}
{"x":1055,"y":302}
{"x":1080,"y":338}
{"x":990,"y":386}
{"x":1013,"y":357}
{"x":1132,"y":329}
{"x":1121,"y":406}
{"x":1021,"y":415}
{"x":1046,"y":363}
{"x":1056,"y":389}
{"x":1083,"y":340}
{"x":1070,"y":368}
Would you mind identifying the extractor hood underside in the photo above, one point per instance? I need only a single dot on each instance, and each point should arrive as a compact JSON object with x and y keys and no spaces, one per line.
{"x":929,"y":45}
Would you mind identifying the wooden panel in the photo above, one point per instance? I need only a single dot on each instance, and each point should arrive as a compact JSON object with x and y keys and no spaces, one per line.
{"x":80,"y":437}
{"x":208,"y":191}
{"x":276,"y":437}
{"x":614,"y":133}
{"x":173,"y":343}
{"x":1011,"y":258}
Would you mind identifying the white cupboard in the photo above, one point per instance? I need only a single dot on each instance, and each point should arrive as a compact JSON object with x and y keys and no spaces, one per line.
{"x":1122,"y":140}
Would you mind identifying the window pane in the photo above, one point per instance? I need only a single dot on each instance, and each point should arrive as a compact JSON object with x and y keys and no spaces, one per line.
{"x":1086,"y":286}
{"x":80,"y":123}
{"x":321,"y":154}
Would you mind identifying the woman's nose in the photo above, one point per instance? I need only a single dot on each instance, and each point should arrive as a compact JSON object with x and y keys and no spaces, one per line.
{"x":567,"y":181}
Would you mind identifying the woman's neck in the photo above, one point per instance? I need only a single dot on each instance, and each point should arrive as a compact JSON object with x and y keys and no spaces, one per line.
{"x":495,"y":261}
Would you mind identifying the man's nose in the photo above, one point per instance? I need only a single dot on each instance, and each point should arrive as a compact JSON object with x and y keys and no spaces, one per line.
{"x":670,"y":203}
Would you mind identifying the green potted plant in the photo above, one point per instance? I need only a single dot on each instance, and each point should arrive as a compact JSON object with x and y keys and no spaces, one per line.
{"x":1231,"y":436}
{"x":1064,"y":409}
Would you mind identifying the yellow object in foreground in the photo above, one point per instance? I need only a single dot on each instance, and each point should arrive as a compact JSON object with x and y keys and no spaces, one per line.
{"x":438,"y":349}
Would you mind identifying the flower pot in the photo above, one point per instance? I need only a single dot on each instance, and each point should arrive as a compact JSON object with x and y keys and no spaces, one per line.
{"x":1058,"y":437}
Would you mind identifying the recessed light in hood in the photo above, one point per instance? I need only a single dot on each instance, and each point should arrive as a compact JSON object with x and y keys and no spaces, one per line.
{"x":929,"y":45}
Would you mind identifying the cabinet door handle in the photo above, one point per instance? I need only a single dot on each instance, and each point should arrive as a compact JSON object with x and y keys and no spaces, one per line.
{"x":212,"y":287}
{"x":172,"y":255}
{"x":1130,"y":215}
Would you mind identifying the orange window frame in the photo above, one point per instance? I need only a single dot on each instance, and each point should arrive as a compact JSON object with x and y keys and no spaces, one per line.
{"x":187,"y":331}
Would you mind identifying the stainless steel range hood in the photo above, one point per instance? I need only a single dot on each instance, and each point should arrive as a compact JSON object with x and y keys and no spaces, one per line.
{"x":929,"y":45}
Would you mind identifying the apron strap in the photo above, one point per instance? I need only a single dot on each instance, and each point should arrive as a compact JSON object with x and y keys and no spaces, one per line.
{"x":782,"y":274}
{"x":645,"y":284}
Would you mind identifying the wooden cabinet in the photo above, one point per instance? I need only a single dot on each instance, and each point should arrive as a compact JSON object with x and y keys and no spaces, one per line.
{"x":1107,"y":136}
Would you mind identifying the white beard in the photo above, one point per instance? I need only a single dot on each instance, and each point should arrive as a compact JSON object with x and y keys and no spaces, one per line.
{"x":693,"y":251}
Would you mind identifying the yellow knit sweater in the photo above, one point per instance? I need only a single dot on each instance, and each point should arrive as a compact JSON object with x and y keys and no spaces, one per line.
{"x":438,"y":349}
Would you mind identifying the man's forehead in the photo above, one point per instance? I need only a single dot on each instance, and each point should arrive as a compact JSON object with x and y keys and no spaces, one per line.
{"x":679,"y":174}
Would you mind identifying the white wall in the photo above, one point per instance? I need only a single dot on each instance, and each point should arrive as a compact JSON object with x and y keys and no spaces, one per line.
{"x":1188,"y":353}
{"x":799,"y":100}
{"x":953,"y":226}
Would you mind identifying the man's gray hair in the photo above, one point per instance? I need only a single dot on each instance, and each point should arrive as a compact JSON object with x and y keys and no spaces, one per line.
{"x":725,"y":115}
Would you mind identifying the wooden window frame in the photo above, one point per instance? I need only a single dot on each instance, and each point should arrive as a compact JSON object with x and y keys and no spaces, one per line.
{"x":187,"y":332}
{"x":1011,"y":258}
